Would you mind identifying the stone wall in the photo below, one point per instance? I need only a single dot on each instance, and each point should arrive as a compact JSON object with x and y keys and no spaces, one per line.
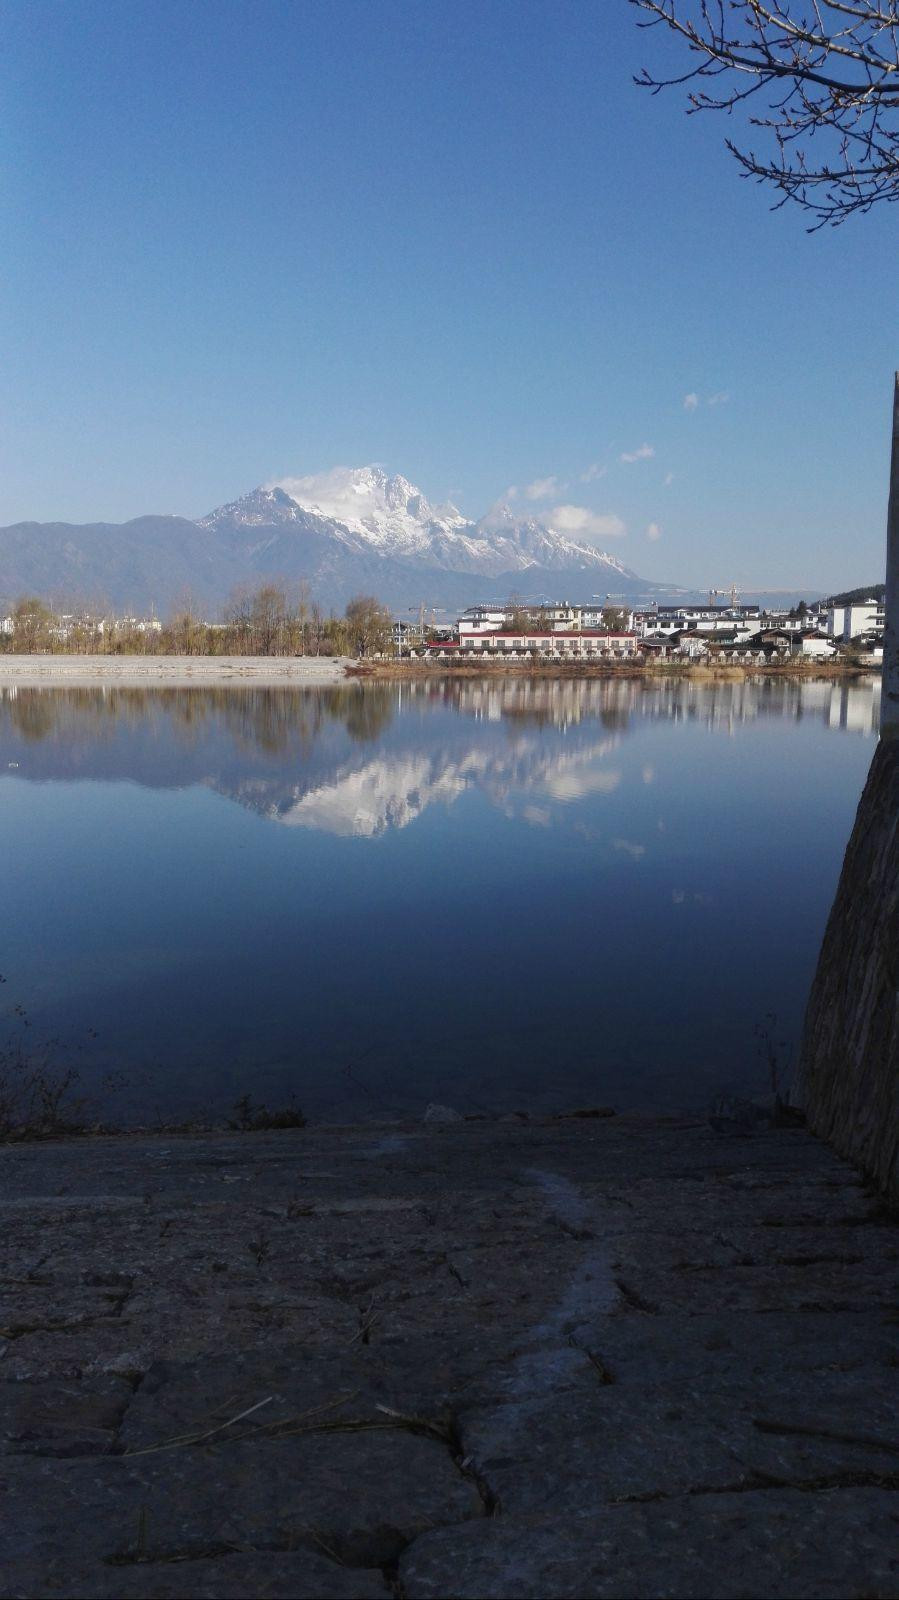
{"x":849,"y":1066}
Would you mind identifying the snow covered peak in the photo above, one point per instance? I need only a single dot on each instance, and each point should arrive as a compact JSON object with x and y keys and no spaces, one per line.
{"x":367,"y":513}
{"x":259,"y":508}
{"x":390,"y":513}
{"x":502,"y":515}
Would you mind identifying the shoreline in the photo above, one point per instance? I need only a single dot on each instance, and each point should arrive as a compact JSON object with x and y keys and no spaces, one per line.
{"x":595,"y":669}
{"x":197,"y":672}
{"x":179,"y":672}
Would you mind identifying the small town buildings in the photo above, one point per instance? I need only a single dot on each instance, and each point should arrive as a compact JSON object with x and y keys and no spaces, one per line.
{"x":866,"y":617}
{"x":558,"y":618}
{"x":480,"y":620}
{"x":575,"y":645}
{"x":560,"y":631}
{"x":815,"y":645}
{"x":708,"y":619}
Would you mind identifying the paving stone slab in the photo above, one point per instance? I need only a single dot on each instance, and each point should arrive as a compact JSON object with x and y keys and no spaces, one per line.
{"x":374,"y":1383}
{"x":364,"y":1495}
{"x":281,"y":1388}
{"x":871,"y":1285}
{"x":62,"y":1419}
{"x":720,"y":1346}
{"x":264,"y":1575}
{"x":838,"y":1545}
{"x":580,"y":1448}
{"x":591,"y":1308}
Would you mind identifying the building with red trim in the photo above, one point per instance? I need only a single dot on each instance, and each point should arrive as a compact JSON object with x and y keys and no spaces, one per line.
{"x":579,"y":645}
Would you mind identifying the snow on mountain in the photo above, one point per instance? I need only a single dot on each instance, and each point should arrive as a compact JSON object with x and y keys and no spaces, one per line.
{"x":526,"y":541}
{"x":389,"y":513}
{"x":261,"y":508}
{"x":365,"y":799}
{"x":354,"y":530}
{"x":365,"y":509}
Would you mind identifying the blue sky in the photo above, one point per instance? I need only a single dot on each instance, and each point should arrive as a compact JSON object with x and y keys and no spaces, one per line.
{"x":243,"y":241}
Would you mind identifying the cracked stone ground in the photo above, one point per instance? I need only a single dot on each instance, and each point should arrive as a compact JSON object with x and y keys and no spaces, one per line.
{"x":560,"y":1357}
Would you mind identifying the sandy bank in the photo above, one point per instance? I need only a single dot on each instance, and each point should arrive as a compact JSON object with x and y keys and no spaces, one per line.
{"x":78,"y":672}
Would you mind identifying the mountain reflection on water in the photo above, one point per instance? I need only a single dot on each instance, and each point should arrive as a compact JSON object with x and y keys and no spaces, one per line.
{"x":303,"y":758}
{"x":491,"y":892}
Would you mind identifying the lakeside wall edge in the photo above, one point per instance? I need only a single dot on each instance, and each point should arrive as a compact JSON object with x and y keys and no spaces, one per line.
{"x":848,"y":1078}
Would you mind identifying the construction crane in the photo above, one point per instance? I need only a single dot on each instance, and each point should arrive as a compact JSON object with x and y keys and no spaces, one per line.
{"x":426,"y":618}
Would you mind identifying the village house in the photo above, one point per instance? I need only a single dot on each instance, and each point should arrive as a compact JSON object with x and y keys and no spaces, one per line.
{"x":557,"y":618}
{"x":864,"y":619}
{"x":579,"y":644}
{"x":815,"y":645}
{"x":739,"y":633}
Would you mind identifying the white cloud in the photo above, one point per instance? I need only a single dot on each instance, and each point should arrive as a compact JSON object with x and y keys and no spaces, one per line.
{"x":693,"y":401}
{"x":537,"y":816}
{"x":512,"y":492}
{"x":628,"y":848}
{"x":588,"y":524}
{"x":653,"y":531}
{"x":593,"y":472}
{"x":642,"y":453}
{"x":668,"y":479}
{"x":543,"y":488}
{"x":577,"y":785}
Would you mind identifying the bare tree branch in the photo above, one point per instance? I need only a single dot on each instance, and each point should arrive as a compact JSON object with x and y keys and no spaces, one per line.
{"x":830,"y":69}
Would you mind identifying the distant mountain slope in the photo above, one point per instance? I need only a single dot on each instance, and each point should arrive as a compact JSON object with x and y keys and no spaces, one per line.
{"x":131,"y":565}
{"x":855,"y":597}
{"x":346,"y":531}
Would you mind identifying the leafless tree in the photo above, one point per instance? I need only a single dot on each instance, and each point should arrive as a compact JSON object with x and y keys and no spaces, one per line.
{"x":368,"y":625}
{"x":828,"y":72}
{"x":614,"y":618}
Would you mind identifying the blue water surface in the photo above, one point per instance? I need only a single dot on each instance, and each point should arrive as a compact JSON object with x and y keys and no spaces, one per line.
{"x":491,"y":893}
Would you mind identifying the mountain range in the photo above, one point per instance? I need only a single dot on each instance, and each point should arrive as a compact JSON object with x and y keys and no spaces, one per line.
{"x":347,"y":531}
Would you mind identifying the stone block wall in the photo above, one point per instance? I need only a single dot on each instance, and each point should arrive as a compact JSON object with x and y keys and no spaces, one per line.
{"x":848,"y":1081}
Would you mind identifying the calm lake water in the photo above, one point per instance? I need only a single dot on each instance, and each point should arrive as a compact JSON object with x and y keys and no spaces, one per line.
{"x":493,"y":894}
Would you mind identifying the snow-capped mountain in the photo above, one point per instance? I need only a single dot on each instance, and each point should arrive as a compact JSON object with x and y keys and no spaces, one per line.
{"x":347,"y":531}
{"x":389,"y":513}
{"x":373,"y":514}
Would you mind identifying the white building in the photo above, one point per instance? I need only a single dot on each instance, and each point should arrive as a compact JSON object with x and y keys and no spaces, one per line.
{"x":479,"y":620}
{"x":578,"y":644}
{"x":558,"y":618}
{"x":847,"y":622}
{"x":813,"y":644}
{"x":710,"y":619}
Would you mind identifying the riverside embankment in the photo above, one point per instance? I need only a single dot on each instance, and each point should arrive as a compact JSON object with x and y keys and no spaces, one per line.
{"x":174,"y":672}
{"x":582,"y":1356}
{"x":178,"y":672}
{"x":651,"y":670}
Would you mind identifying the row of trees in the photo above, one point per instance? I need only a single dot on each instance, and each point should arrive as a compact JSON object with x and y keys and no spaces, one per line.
{"x":271,"y":620}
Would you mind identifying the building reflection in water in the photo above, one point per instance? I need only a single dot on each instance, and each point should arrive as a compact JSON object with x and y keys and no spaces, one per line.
{"x":490,"y":891}
{"x":364,"y":758}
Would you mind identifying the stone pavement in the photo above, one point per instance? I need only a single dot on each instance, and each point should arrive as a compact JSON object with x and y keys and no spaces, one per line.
{"x":564,"y":1357}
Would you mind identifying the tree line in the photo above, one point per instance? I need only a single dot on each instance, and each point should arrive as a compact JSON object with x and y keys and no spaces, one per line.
{"x":271,"y":620}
